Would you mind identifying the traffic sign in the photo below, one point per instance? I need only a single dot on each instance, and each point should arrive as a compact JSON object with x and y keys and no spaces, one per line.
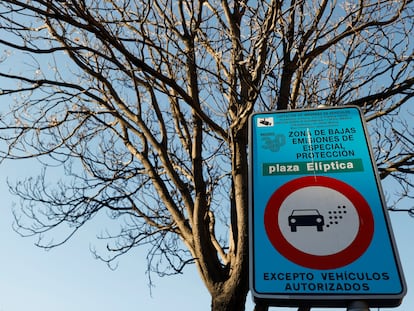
{"x":318,"y":219}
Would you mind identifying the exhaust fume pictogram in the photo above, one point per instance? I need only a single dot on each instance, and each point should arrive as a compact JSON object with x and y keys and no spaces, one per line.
{"x":336,"y":216}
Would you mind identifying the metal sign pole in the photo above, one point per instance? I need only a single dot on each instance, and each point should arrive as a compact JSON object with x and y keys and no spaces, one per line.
{"x":358,"y":305}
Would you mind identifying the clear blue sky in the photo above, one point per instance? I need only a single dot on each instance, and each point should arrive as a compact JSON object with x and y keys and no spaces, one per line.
{"x":69,"y":278}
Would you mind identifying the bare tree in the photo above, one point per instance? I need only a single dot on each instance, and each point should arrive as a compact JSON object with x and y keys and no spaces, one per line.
{"x":145,"y":106}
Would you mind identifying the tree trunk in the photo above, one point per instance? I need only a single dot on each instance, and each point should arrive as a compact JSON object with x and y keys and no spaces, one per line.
{"x":235,"y":301}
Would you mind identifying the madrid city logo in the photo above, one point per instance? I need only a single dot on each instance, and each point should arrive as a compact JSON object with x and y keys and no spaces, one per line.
{"x":273,"y":141}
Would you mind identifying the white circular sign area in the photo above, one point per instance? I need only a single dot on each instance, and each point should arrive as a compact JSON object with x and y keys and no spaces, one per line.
{"x":319,"y":222}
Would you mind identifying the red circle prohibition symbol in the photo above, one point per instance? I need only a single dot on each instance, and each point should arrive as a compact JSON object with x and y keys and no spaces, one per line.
{"x":323,"y":262}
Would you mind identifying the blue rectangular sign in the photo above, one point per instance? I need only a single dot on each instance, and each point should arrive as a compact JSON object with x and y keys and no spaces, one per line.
{"x":319,"y":229}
